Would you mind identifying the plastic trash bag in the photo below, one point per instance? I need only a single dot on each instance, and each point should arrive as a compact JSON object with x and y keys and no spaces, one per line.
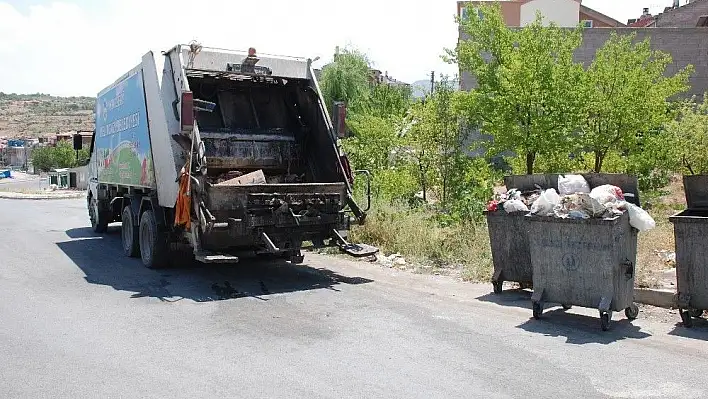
{"x":607,"y":193}
{"x":515,"y":205}
{"x":513,"y":194}
{"x":572,"y":184}
{"x":639,"y":218}
{"x":579,"y":206}
{"x":546,"y":203}
{"x":578,"y":215}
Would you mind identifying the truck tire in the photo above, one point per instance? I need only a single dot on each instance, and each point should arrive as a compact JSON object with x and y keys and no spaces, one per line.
{"x":153,"y":243}
{"x":99,"y":219}
{"x":129,"y":234}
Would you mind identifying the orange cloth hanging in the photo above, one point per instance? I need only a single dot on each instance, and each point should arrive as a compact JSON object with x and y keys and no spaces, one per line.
{"x":184,"y":201}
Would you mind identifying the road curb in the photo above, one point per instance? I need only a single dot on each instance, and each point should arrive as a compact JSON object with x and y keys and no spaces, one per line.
{"x":24,"y":196}
{"x":655,"y":297}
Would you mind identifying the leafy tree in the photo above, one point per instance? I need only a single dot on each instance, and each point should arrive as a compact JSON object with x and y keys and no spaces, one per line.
{"x":372,"y":142}
{"x":690,"y":134}
{"x":61,"y":156}
{"x":628,"y":93}
{"x":528,"y":97}
{"x":43,"y":158}
{"x":387,"y":101}
{"x":434,"y":142}
{"x":346,"y":79}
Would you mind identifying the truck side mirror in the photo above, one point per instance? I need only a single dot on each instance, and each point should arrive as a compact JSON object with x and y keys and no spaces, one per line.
{"x":339,"y":118}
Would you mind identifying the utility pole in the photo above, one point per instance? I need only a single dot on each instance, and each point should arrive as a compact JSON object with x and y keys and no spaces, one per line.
{"x":432,"y":82}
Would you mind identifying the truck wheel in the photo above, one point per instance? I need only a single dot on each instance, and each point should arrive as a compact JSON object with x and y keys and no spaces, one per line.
{"x":129,"y":234}
{"x":153,"y":245}
{"x":99,"y":219}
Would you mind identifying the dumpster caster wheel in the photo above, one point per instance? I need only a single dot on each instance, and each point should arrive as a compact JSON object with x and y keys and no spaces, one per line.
{"x":498,"y":286}
{"x":696,"y":313}
{"x":567,"y":307}
{"x":605,"y":321}
{"x":686,"y":318}
{"x":537,"y":310}
{"x":632,"y":312}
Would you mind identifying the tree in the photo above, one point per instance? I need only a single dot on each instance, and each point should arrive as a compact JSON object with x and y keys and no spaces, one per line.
{"x":346,"y":79}
{"x":628,"y":93}
{"x":61,"y":156}
{"x":690,"y":134}
{"x":43,"y":158}
{"x":387,"y":101}
{"x":371,"y":143}
{"x":434,"y":141}
{"x":528,"y":97}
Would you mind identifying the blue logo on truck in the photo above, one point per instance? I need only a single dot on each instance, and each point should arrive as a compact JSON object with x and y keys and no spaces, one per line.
{"x":122,"y":145}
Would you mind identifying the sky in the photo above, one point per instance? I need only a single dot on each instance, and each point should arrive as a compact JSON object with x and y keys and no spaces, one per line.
{"x":77,"y":47}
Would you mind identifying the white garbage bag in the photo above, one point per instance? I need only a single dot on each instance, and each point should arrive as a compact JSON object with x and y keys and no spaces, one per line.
{"x":639,"y":218}
{"x":545,"y":204}
{"x":515,"y":205}
{"x":607,"y":193}
{"x":572,"y":184}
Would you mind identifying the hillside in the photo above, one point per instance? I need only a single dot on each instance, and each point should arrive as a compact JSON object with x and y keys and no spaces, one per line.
{"x":38,"y":114}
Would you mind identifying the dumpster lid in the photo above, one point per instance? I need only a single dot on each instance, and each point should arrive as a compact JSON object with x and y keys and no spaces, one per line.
{"x":696,"y":191}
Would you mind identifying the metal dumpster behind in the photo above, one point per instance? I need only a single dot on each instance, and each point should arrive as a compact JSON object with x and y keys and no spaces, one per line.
{"x":586,"y":262}
{"x":508,"y":234}
{"x":509,"y":242}
{"x":690,"y":232}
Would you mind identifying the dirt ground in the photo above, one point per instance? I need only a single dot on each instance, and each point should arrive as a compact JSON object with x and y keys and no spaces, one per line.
{"x":656,"y":259}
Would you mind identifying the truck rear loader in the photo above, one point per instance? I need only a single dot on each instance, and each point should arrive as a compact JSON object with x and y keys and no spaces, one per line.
{"x":228,"y":154}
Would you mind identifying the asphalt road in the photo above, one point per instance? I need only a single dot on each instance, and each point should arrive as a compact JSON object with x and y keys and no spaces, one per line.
{"x":78,"y":320}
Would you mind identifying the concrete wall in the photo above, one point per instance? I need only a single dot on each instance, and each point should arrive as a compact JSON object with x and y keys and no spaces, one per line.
{"x":563,"y":12}
{"x":686,"y":46}
{"x":81,"y":177}
{"x":683,"y":17}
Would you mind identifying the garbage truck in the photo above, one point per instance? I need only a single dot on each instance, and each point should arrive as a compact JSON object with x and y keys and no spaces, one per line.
{"x":229,"y":154}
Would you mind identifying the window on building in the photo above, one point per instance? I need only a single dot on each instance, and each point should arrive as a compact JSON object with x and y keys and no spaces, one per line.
{"x":467,"y":11}
{"x":587,"y":23}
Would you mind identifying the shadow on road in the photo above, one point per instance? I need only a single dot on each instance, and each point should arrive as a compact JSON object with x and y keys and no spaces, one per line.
{"x":581,"y":329}
{"x":101,"y":258}
{"x":514,"y":298}
{"x":698,"y":331}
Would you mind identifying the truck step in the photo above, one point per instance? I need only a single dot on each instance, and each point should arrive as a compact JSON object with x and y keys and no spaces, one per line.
{"x":211,"y":257}
{"x":359,"y":250}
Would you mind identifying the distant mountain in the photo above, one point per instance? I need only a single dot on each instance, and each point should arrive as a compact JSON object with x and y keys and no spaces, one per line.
{"x":421,"y":88}
{"x":34,"y":115}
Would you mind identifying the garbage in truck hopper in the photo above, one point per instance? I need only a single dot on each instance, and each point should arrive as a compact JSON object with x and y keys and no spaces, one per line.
{"x":575,"y":200}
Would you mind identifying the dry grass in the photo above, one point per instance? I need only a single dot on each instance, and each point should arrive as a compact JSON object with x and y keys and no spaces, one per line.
{"x":457,"y":250}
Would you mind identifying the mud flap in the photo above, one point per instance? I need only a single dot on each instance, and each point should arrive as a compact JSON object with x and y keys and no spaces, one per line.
{"x":355,"y":250}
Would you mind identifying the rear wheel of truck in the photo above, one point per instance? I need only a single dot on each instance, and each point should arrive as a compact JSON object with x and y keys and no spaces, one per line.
{"x":153,"y":244}
{"x":99,"y":219}
{"x":129,"y":234}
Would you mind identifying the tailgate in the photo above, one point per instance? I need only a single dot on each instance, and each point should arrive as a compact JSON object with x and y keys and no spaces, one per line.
{"x":279,"y":205}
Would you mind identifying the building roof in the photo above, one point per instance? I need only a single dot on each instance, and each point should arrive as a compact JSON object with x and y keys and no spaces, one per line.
{"x":642,"y":22}
{"x":600,"y":16}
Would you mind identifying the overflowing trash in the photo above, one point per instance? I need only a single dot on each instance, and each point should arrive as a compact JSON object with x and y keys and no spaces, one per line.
{"x":574,"y":199}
